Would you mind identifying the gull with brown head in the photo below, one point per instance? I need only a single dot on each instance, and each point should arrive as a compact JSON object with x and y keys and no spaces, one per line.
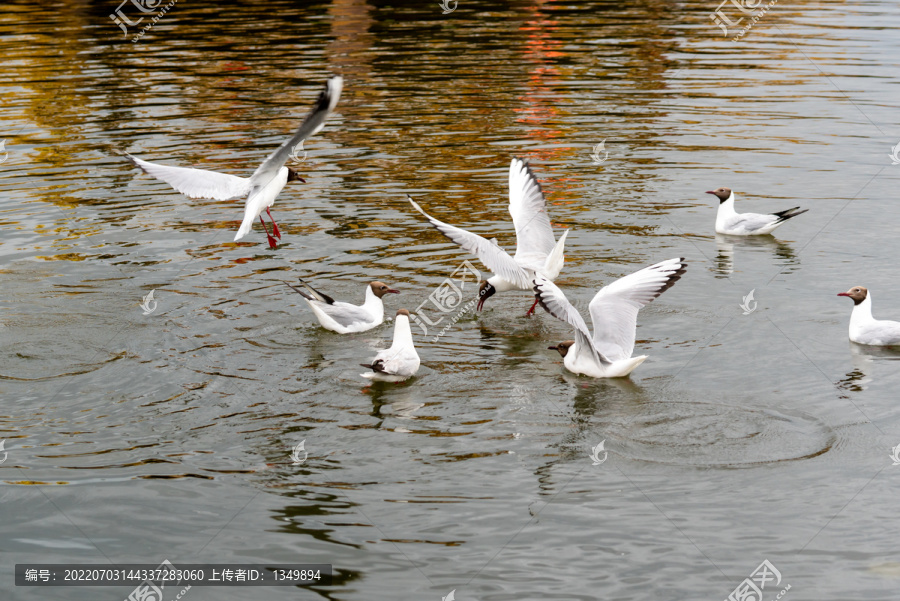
{"x":614,"y":310}
{"x":537,"y":250}
{"x":728,"y":221}
{"x":342,"y":317}
{"x":865,"y":329}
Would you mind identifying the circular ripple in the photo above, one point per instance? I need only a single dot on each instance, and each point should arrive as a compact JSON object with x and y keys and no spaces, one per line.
{"x":710,"y":434}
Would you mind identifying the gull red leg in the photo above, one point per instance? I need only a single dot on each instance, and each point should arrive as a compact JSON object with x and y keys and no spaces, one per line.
{"x":531,"y":310}
{"x":274,"y":225}
{"x":272,"y":241}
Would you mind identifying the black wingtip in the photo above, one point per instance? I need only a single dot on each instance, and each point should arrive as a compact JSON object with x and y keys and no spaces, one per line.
{"x":376,"y":366}
{"x":540,"y":300}
{"x":788,"y":214}
{"x":330,"y":94}
{"x":531,"y":174}
{"x":298,"y":291}
{"x":328,"y":300}
{"x":130,"y":158}
{"x":673,"y":277}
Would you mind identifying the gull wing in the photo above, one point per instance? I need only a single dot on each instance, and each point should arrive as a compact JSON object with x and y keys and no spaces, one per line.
{"x":556,"y":304}
{"x":313,"y":122}
{"x":615,"y":307}
{"x":196,"y":183}
{"x":344,"y":313}
{"x":527,"y":206}
{"x":494,"y":258}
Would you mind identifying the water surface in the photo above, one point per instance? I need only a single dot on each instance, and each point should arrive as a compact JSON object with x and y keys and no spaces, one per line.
{"x":137,"y":438}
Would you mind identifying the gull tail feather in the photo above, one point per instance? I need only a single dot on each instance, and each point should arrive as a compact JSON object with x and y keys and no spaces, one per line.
{"x":554,"y":262}
{"x":630,"y":365}
{"x":246,"y":226}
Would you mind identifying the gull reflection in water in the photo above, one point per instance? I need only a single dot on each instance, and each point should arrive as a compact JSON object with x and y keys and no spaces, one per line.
{"x":862,"y":360}
{"x":401,"y":401}
{"x":724,"y":263}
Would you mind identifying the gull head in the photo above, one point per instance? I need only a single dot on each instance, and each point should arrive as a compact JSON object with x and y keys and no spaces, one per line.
{"x":857,"y":293}
{"x":485,"y":291}
{"x":379,"y":289}
{"x":562,"y":348}
{"x":293,"y":175}
{"x":723,"y":194}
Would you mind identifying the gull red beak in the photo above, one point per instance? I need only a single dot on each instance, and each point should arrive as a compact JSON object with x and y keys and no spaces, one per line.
{"x":842,"y":294}
{"x":710,"y":192}
{"x":300,"y":179}
{"x":552,"y":348}
{"x":392,"y":291}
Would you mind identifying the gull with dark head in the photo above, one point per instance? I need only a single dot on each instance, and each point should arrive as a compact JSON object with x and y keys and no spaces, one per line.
{"x":728,"y":221}
{"x":263,"y":187}
{"x":345,"y":318}
{"x":537,"y":251}
{"x":614,"y":310}
{"x":399,"y":362}
{"x":865,"y":329}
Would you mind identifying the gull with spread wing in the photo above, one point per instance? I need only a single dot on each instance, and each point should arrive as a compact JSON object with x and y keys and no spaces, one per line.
{"x":263,"y":187}
{"x":614,"y":311}
{"x":537,"y":251}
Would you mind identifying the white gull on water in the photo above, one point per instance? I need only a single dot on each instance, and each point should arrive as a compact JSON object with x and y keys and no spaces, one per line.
{"x":399,"y":362}
{"x":345,"y":318}
{"x":865,"y":329}
{"x":728,"y":221}
{"x":614,"y":310}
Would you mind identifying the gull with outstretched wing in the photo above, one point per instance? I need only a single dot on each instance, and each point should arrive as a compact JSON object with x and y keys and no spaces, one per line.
{"x":614,"y":311}
{"x":263,"y":187}
{"x":537,"y":250}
